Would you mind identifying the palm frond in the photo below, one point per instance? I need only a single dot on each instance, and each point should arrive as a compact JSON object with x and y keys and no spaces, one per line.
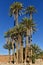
{"x":30,"y":9}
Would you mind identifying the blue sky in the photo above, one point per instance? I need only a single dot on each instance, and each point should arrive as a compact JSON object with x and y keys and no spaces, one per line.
{"x":6,"y":22}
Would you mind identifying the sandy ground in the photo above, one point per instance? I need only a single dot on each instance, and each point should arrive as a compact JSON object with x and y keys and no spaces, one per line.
{"x":39,"y":63}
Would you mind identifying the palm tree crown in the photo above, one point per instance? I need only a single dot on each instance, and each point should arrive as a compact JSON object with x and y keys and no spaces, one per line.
{"x":28,"y":23}
{"x":8,"y":46}
{"x":30,"y":10}
{"x":14,"y":7}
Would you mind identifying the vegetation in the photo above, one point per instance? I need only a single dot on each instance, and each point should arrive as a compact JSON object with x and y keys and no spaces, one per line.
{"x":15,"y":9}
{"x":8,"y":47}
{"x":35,"y":52}
{"x":22,"y":30}
{"x":25,"y":28}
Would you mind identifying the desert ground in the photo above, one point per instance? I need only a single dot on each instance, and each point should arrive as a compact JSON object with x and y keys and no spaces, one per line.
{"x":36,"y":63}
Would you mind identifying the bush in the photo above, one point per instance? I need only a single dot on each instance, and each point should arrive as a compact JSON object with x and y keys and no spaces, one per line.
{"x":33,"y":59}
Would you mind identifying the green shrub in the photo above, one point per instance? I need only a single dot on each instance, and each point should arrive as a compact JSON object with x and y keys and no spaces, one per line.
{"x":33,"y":59}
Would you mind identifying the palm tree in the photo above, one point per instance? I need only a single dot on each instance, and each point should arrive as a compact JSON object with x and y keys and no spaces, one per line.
{"x":15,"y":9}
{"x":35,"y":51}
{"x":41,"y":54}
{"x":7,"y":36}
{"x":28,"y":24}
{"x":30,"y":10}
{"x":8,"y":47}
{"x":10,"y":39}
{"x":16,"y":33}
{"x":17,"y":38}
{"x":19,"y":32}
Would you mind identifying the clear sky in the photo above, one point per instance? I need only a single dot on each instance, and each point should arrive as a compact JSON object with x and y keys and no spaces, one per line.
{"x":6,"y":22}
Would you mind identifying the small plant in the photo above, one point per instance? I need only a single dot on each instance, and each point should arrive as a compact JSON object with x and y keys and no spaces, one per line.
{"x":33,"y":59}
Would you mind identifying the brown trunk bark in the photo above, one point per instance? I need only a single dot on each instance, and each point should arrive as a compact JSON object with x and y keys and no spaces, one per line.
{"x":13,"y":50}
{"x":19,"y":39}
{"x":9,"y":56}
{"x":21,"y":52}
{"x":31,"y":40}
{"x":30,"y":33}
{"x":27,"y":38}
{"x":17,"y":51}
{"x":30,"y":16}
{"x":16,"y":17}
{"x":26,"y":45}
{"x":21,"y":47}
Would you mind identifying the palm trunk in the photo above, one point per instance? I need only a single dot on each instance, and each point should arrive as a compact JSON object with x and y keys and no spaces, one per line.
{"x":26,"y":45}
{"x":25,"y":54}
{"x":21,"y":47}
{"x":17,"y":51}
{"x":19,"y":39}
{"x":9,"y":56}
{"x":30,"y":16}
{"x":16,"y":21}
{"x":27,"y":37}
{"x":16,"y":18}
{"x":31,"y":34}
{"x":31,"y":39}
{"x":13,"y":50}
{"x":21,"y":52}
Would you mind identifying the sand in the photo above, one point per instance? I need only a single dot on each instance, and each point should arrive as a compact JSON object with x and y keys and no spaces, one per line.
{"x":40,"y":63}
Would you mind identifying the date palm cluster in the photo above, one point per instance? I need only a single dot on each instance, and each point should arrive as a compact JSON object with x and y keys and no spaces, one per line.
{"x":21,"y":30}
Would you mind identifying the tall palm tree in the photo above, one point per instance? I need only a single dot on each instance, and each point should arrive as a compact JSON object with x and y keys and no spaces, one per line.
{"x":28,"y":24}
{"x":8,"y":47}
{"x":17,"y":38}
{"x":30,"y":10}
{"x":8,"y":36}
{"x":15,"y":8}
{"x":14,"y":33}
{"x":19,"y":32}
